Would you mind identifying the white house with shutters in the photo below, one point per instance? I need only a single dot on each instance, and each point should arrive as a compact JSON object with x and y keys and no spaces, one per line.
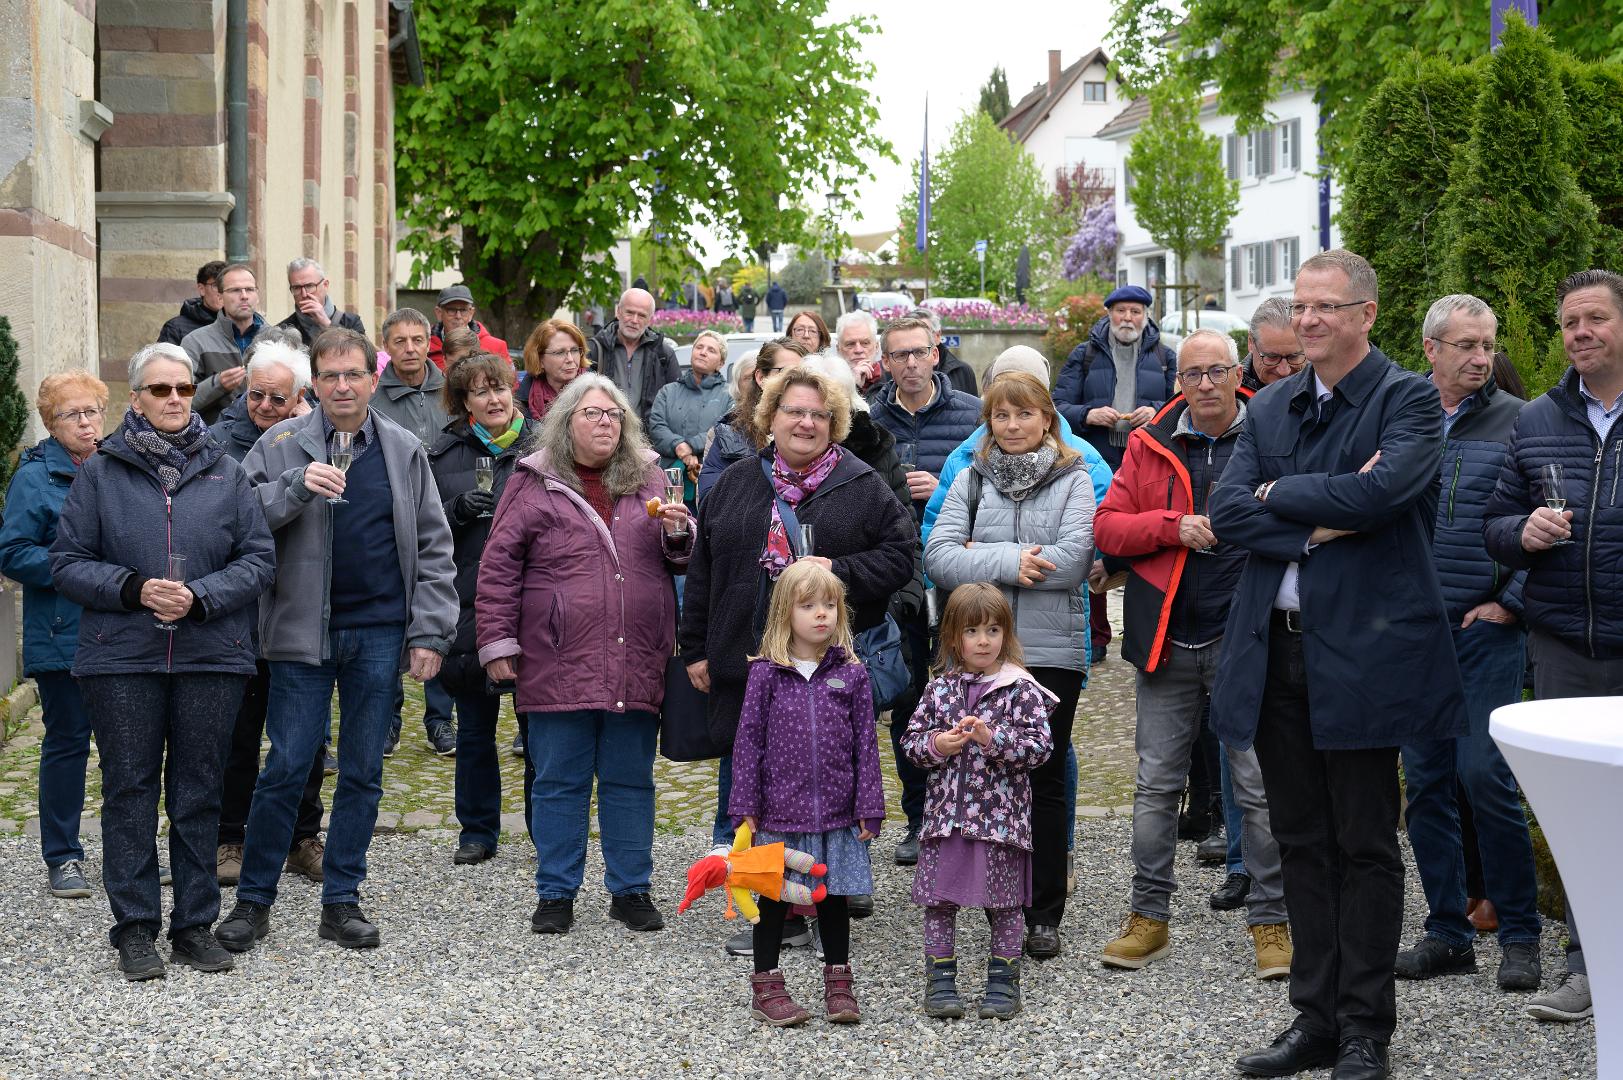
{"x":1280,"y":219}
{"x":1058,"y":120}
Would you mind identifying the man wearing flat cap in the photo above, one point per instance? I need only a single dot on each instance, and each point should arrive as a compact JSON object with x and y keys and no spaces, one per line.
{"x":453,"y":309}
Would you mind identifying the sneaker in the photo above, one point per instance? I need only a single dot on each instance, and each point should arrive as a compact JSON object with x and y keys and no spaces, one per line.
{"x":329,"y":764}
{"x":839,"y":999}
{"x":165,"y":877}
{"x":68,"y":881}
{"x":553,"y":916}
{"x":393,"y":742}
{"x":1231,"y":895}
{"x":1142,"y":941}
{"x":442,"y":738}
{"x":907,"y":850}
{"x":1214,"y":850}
{"x":518,"y":744}
{"x":137,"y":959}
{"x":228,"y":864}
{"x":1568,"y":1002}
{"x":247,"y":923}
{"x":1520,"y":969}
{"x":306,"y":858}
{"x":197,"y":948}
{"x":796,"y":935}
{"x":770,"y":1001}
{"x":637,"y":911}
{"x":345,"y":924}
{"x":1273,"y":945}
{"x":1432,"y":957}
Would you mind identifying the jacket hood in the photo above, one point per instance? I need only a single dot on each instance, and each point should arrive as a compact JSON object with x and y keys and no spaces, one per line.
{"x":609,"y":333}
{"x":391,"y":383}
{"x":1148,"y":340}
{"x":198,"y":311}
{"x":867,"y":439}
{"x":53,"y":455}
{"x":1010,"y":673}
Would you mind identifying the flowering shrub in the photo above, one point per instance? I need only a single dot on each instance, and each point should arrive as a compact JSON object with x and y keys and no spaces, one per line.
{"x":682,"y":323}
{"x":1092,"y":248}
{"x":978,"y":315}
{"x":1070,"y":325}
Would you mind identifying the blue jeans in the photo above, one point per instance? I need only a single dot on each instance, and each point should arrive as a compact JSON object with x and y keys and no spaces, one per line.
{"x":436,"y":705}
{"x":723,"y":829}
{"x":1233,"y":820}
{"x":64,"y":754}
{"x":478,"y":776}
{"x":364,"y":664}
{"x":570,"y":749}
{"x":777,"y":321}
{"x":1491,"y":660}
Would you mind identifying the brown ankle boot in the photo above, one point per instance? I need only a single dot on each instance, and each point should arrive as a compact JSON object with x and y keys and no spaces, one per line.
{"x":770,"y":1001}
{"x":839,"y":1000}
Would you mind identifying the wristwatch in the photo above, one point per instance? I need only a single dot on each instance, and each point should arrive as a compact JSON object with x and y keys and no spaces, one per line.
{"x":1261,"y":494}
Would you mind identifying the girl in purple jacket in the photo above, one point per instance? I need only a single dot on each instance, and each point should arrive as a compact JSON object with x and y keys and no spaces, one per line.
{"x":806,"y":774}
{"x":980,"y":729}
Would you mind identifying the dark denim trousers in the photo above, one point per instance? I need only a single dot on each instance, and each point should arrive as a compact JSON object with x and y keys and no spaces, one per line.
{"x":570,"y":750}
{"x":437,"y":703}
{"x":64,"y":754}
{"x":1491,"y":659}
{"x":478,"y":774}
{"x":364,"y":666}
{"x":167,"y":731}
{"x":242,"y":769}
{"x":916,"y":635}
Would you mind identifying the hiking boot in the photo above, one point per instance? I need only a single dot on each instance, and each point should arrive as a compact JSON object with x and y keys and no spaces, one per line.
{"x":770,"y":1001}
{"x":1569,"y":1001}
{"x":228,"y":864}
{"x":247,"y":923}
{"x":553,"y":916}
{"x":1214,"y":850}
{"x":198,"y":949}
{"x":1433,"y":957}
{"x":839,"y":1000}
{"x":1002,"y":998}
{"x":1142,"y":940}
{"x":1231,"y":895}
{"x":137,"y":959}
{"x":1520,"y":968}
{"x":1273,"y":945}
{"x":345,"y":924}
{"x":305,"y":859}
{"x":941,"y":988}
{"x":68,"y":881}
{"x":907,"y":849}
{"x":636,"y":911}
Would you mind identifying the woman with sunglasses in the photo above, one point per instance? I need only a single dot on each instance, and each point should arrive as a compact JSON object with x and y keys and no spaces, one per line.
{"x":163,"y":543}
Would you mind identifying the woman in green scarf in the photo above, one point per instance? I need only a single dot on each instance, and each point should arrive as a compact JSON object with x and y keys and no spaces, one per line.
{"x":472,"y":461}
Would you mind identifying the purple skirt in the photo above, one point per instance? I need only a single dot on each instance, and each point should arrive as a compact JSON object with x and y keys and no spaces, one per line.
{"x":972,"y":873}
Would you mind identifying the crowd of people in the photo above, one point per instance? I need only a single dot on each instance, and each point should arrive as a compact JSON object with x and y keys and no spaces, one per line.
{"x":1332,"y":564}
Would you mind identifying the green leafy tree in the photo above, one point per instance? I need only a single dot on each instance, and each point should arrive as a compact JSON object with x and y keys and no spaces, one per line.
{"x":1253,"y":50}
{"x":1593,"y":92}
{"x":1515,"y":205}
{"x":13,"y":406}
{"x":995,"y":95}
{"x":1409,"y":136}
{"x":984,"y":187}
{"x":547,"y":126}
{"x":1180,"y":191}
{"x":803,"y":278}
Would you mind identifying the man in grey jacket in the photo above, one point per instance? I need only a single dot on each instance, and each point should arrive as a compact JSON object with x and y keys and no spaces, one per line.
{"x":632,"y":354}
{"x":217,"y":350}
{"x":365,"y":589}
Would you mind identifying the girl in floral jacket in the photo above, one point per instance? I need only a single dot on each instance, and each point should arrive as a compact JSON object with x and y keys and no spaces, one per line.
{"x":980,"y":729}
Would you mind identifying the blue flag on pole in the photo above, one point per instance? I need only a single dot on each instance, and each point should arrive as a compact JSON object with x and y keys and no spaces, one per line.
{"x":1527,"y":8}
{"x":922,"y":238}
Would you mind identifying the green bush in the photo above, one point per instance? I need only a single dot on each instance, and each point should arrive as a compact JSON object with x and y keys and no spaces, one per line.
{"x":13,"y":407}
{"x":1593,"y":93}
{"x":1069,"y":327}
{"x":803,"y":279}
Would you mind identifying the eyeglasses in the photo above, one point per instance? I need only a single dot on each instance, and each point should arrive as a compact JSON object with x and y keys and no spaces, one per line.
{"x":1293,"y":360}
{"x":796,"y":413}
{"x":78,"y":416}
{"x":311,"y":287}
{"x":333,"y":378}
{"x":571,"y":353}
{"x":163,"y":389}
{"x":1323,"y":310}
{"x":595,"y":415}
{"x":256,"y":396}
{"x":1219,"y":375}
{"x":1490,"y":346}
{"x":903,"y":356}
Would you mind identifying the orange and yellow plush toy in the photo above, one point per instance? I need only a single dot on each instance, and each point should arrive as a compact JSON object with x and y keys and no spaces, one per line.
{"x":747,"y":869}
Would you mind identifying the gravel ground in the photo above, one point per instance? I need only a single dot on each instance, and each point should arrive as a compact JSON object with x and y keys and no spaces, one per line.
{"x":461,"y":987}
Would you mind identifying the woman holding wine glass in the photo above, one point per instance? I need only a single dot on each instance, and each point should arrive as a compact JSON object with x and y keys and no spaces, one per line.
{"x":472,"y":461}
{"x":165,"y":648}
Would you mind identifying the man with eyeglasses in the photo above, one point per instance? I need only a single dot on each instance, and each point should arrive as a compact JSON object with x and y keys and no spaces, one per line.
{"x":453,"y":308}
{"x":958,"y":373}
{"x":1483,"y":601}
{"x":628,"y":351}
{"x":1179,"y":585}
{"x":1336,"y":652}
{"x":364,"y":591}
{"x":1272,"y":351}
{"x":217,"y":350}
{"x":313,"y":309}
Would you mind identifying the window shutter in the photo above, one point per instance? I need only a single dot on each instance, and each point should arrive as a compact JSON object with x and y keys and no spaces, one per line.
{"x":1269,"y":277}
{"x":1265,"y":151}
{"x":1233,"y":159}
{"x":1234,"y":262}
{"x":1296,"y":144}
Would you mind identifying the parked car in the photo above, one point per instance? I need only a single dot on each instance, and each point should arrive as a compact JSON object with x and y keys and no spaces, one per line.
{"x":878,"y":301}
{"x":738,"y":347}
{"x":1202,"y":318}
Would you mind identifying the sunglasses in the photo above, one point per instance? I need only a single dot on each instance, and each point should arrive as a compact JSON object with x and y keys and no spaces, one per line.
{"x":163,"y":389}
{"x":256,"y":396}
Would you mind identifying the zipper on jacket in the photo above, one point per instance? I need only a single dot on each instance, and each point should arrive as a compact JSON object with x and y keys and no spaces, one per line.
{"x":1014,"y":605}
{"x":817,"y":754}
{"x":1589,"y":547}
{"x":1453,"y":486}
{"x":169,"y":529}
{"x":1617,"y":462}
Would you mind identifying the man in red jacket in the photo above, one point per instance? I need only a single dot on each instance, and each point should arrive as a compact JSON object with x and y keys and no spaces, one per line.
{"x":1178,"y":591}
{"x":452,"y":309}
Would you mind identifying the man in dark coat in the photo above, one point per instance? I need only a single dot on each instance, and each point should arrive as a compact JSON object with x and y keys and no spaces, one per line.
{"x":1336,"y":652}
{"x":776,"y":300}
{"x":632,"y":354}
{"x":1570,"y":597}
{"x":199,"y":311}
{"x":313,"y":309}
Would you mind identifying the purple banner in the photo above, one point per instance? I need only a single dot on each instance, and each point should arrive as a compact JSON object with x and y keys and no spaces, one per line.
{"x":921,"y":239}
{"x":1527,"y":8}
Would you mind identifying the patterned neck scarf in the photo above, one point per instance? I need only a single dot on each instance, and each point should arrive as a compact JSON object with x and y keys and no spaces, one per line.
{"x":165,"y":451}
{"x":792,"y":487}
{"x":1017,"y":475}
{"x":497,"y":443}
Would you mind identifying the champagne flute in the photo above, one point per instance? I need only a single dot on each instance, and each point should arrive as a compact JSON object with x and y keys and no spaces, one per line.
{"x":174,"y":571}
{"x":1206,"y":512}
{"x":674,"y":479}
{"x":343,"y":453}
{"x":484,"y":478}
{"x":806,"y":541}
{"x":1553,"y":482}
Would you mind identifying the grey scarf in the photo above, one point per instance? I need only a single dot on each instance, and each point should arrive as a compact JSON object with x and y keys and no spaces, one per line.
{"x":1017,"y":475}
{"x":1125,"y":401}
